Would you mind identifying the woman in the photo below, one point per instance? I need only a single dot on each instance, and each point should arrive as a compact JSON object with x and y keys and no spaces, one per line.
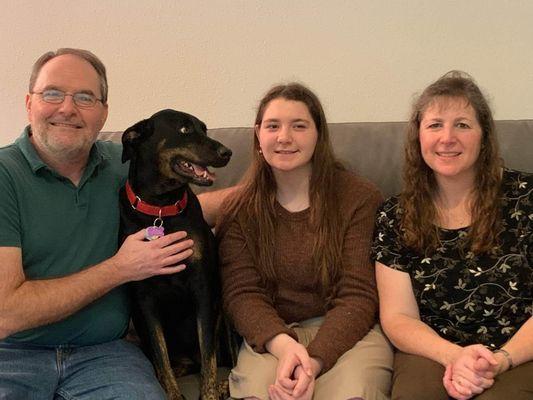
{"x":297,"y":278}
{"x":454,"y":256}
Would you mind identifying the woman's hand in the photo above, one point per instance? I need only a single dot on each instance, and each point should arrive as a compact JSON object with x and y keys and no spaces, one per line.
{"x":450,"y":387}
{"x":471,"y":372}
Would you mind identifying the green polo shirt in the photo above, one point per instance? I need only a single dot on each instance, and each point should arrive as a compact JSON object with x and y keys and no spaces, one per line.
{"x":62,"y":229}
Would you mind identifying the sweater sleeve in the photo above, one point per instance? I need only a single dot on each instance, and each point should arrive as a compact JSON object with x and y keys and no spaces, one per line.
{"x":244,"y":297}
{"x":354,"y":309}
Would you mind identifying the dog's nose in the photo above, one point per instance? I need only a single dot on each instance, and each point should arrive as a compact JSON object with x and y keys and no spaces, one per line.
{"x":224,"y":152}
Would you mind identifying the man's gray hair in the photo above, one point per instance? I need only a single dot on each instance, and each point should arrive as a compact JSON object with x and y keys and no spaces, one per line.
{"x":84,"y":54}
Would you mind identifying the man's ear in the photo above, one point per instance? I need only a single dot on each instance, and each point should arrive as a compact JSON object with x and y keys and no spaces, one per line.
{"x":28,"y":105}
{"x":133,"y":136}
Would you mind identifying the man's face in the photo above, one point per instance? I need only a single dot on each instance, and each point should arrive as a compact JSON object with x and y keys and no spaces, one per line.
{"x":64,"y":131}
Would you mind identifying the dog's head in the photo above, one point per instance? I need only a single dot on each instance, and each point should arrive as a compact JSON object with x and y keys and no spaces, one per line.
{"x":176,"y":145}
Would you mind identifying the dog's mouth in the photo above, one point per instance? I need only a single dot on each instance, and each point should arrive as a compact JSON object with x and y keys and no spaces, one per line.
{"x":200,"y":175}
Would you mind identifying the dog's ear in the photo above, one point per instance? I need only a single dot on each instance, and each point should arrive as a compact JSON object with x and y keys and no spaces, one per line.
{"x":134,"y":135}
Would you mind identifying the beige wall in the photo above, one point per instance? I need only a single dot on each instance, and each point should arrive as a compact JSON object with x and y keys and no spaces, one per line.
{"x":365,"y":58}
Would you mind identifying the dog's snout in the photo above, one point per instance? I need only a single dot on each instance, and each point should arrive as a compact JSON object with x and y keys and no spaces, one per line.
{"x":224,"y":152}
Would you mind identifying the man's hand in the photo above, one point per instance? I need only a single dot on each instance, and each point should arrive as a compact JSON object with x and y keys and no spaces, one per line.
{"x":138,"y":259}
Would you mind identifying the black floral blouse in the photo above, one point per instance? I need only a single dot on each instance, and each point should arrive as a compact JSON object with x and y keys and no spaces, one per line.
{"x":470,"y":299}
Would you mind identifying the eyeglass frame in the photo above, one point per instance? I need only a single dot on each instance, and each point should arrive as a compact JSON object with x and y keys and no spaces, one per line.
{"x":73,"y":95}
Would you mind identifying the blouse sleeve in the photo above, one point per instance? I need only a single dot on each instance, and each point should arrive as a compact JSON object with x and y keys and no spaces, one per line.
{"x":387,"y":247}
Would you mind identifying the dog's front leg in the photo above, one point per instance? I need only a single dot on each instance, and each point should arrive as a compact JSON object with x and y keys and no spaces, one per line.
{"x":208,"y":389}
{"x":150,"y":330}
{"x":206,"y":336}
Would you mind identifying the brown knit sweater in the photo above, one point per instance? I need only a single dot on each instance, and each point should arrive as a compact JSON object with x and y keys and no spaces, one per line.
{"x":352,"y":312}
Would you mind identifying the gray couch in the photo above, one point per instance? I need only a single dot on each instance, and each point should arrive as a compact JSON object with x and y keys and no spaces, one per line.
{"x":373,"y":149}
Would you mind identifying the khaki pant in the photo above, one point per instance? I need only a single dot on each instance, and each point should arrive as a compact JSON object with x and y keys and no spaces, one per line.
{"x":419,"y":378}
{"x":362,"y":372}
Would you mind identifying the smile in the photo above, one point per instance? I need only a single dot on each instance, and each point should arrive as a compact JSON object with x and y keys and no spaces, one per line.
{"x":65,"y":125}
{"x":286,"y":151}
{"x":448,"y":153}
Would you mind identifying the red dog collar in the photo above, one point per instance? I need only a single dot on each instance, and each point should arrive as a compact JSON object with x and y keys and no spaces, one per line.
{"x":156,"y":211}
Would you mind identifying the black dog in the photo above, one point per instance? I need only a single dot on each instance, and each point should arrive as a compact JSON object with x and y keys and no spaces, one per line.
{"x":166,"y":152}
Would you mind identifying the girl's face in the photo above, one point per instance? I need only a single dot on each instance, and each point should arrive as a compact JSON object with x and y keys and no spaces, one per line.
{"x":287,"y":135}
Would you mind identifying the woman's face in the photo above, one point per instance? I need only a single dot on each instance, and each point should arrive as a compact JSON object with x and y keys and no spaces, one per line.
{"x":450,"y":138}
{"x":287,"y":135}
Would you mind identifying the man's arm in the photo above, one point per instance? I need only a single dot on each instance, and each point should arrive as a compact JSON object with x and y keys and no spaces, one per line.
{"x":26,"y":304}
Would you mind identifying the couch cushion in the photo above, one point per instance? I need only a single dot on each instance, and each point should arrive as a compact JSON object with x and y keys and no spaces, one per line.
{"x":373,"y":149}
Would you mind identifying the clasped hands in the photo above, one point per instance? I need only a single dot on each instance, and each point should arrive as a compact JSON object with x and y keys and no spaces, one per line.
{"x":472,"y":371}
{"x":295,"y":374}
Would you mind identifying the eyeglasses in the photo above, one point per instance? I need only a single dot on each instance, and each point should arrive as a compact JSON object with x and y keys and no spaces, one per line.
{"x":55,"y":96}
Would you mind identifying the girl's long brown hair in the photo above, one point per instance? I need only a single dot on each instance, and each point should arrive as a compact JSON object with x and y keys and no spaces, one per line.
{"x":254,"y":202}
{"x":418,"y":220}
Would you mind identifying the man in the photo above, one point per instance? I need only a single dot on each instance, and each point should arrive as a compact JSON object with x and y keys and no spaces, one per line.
{"x":63,"y":306}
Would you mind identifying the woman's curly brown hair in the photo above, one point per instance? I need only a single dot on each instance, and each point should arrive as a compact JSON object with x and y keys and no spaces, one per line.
{"x":419,"y":214}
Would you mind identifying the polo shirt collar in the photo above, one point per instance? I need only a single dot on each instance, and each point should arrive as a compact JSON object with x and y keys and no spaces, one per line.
{"x":97,"y":155}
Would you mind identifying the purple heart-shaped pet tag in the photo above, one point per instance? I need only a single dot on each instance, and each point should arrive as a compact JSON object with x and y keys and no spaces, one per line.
{"x":154,"y":232}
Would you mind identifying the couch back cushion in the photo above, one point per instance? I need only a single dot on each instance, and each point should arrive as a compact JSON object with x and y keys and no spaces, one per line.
{"x":373,"y":149}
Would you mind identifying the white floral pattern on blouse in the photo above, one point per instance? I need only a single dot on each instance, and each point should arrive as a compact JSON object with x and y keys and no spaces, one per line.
{"x":466,"y":298}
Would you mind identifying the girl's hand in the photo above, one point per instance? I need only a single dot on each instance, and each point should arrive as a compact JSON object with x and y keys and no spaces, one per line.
{"x":301,"y":388}
{"x":294,"y":372}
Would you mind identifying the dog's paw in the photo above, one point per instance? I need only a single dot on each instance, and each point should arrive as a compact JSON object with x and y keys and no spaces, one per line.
{"x":175,"y":396}
{"x":223,"y":390}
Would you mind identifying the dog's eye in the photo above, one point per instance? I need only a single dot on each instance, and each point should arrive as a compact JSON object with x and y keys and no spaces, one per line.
{"x":184,"y":129}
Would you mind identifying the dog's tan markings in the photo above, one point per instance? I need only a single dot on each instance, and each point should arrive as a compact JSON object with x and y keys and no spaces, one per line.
{"x":196,"y":248}
{"x":168,"y":381}
{"x":165,"y":161}
{"x":187,"y":153}
{"x":131,"y":135}
{"x":223,"y":389}
{"x":166,"y":158}
{"x":208,"y":372}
